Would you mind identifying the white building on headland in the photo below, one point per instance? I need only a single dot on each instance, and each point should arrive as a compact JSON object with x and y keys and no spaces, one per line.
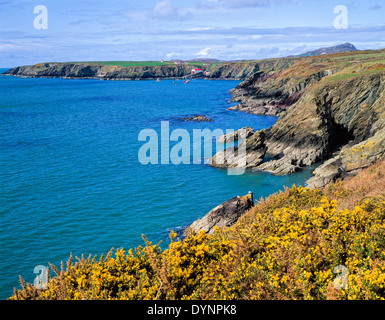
{"x":196,"y":71}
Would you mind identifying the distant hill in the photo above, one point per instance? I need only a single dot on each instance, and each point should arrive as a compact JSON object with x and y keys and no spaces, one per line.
{"x":345,"y":47}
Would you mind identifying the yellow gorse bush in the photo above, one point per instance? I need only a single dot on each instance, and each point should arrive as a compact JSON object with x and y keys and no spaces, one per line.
{"x":286,"y":247}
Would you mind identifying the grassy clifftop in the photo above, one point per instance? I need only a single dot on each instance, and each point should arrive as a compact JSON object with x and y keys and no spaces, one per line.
{"x":284,"y":86}
{"x":286,"y":247}
{"x":138,"y":70}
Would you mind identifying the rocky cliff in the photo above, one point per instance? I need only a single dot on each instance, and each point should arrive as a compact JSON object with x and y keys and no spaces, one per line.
{"x":271,"y":92}
{"x":100,"y":71}
{"x":229,"y":70}
{"x":332,"y":112}
{"x":243,"y":70}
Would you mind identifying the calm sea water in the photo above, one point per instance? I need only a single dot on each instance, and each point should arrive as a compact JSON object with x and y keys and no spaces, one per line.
{"x":70,"y":179}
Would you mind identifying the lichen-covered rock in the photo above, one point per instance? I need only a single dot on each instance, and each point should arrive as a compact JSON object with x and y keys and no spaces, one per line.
{"x":349,"y":161}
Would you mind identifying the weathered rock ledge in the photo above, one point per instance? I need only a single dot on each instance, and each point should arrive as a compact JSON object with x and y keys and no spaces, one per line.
{"x":243,"y":133}
{"x":253,"y":147}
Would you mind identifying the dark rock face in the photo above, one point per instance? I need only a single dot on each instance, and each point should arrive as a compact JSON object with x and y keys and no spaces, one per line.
{"x":242,"y":70}
{"x":49,"y":70}
{"x":266,"y":94}
{"x":224,"y":215}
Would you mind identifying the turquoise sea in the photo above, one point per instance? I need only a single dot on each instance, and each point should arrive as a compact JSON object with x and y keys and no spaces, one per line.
{"x":70,"y":178}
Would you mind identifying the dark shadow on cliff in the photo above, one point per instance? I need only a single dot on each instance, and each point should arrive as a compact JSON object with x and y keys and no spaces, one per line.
{"x":339,"y":137}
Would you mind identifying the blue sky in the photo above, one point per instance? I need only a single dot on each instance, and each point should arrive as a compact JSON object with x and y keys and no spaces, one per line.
{"x":93,"y":30}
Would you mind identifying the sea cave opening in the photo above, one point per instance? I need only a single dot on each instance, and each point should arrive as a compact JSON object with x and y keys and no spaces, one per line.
{"x":339,"y":137}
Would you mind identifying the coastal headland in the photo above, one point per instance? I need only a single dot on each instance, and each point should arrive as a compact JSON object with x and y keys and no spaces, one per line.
{"x":331,"y":113}
{"x":330,"y":107}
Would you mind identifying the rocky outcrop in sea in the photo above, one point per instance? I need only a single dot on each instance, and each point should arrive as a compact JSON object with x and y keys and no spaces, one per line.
{"x":197,"y":118}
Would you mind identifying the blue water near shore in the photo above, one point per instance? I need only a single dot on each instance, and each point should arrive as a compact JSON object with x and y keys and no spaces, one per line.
{"x":70,"y":179}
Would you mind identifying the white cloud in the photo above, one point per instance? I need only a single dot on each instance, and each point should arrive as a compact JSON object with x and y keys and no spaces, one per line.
{"x":172,"y":55}
{"x":199,"y":29}
{"x":207,"y":53}
{"x":9,"y":47}
{"x":166,"y":10}
{"x":250,"y":37}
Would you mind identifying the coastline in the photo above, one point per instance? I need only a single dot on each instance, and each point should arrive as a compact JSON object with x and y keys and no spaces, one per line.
{"x":106,"y":79}
{"x":276,"y":87}
{"x":325,"y":108}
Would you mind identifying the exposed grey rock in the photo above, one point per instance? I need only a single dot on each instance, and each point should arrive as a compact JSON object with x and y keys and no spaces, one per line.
{"x":260,"y":108}
{"x":325,"y":173}
{"x":235,"y":136}
{"x":322,"y":115}
{"x":224,"y":215}
{"x":279,"y":167}
{"x":255,"y":150}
